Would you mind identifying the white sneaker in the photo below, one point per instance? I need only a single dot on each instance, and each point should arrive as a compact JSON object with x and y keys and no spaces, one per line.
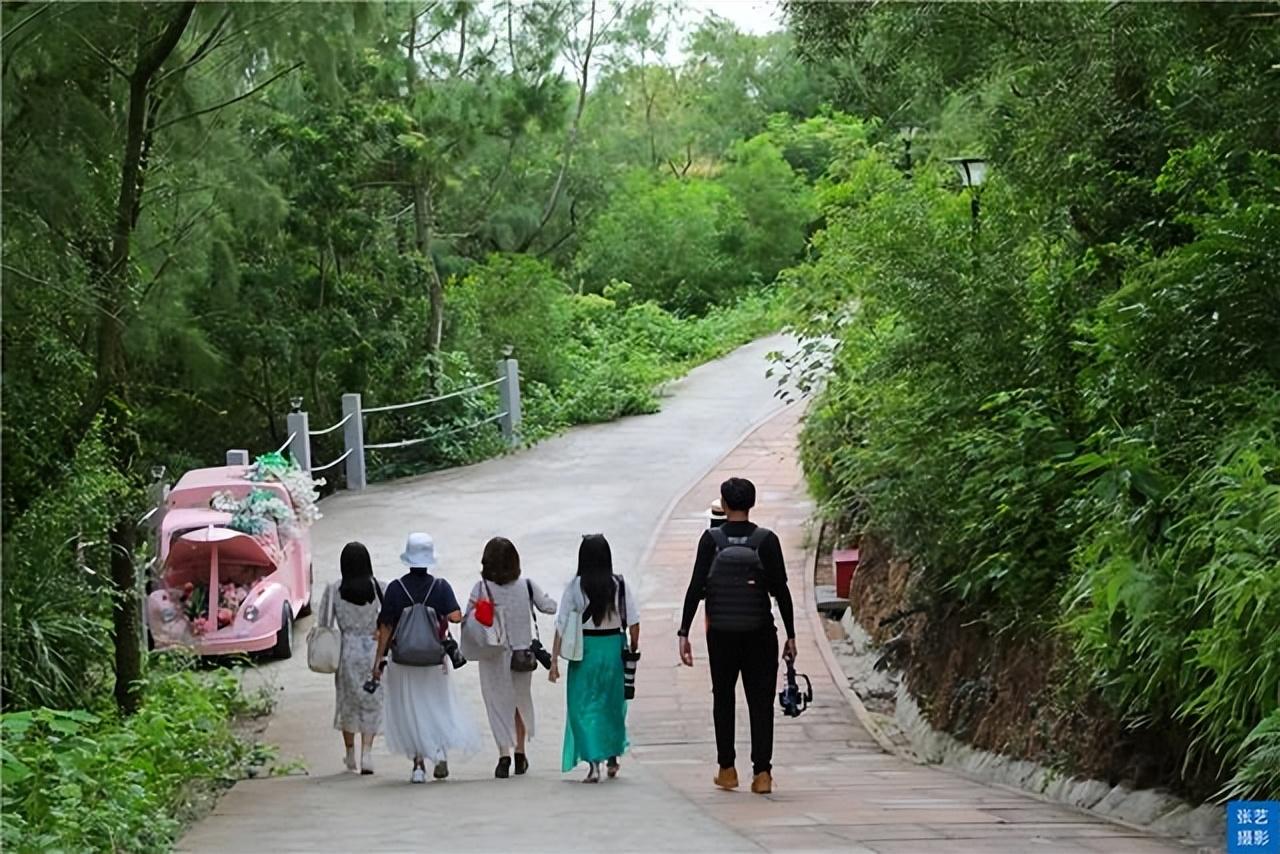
{"x":419,"y":776}
{"x":350,"y":759}
{"x":366,"y":762}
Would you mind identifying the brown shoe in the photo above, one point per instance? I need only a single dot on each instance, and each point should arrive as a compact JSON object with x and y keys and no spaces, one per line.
{"x":762,"y":783}
{"x":727,"y":778}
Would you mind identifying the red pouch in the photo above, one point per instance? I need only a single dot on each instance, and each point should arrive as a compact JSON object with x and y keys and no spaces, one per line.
{"x":484,"y":612}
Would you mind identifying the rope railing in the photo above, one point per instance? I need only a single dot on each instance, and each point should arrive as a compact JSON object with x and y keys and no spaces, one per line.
{"x":344,"y":420}
{"x":424,"y":401}
{"x":345,"y":454}
{"x":351,"y":427}
{"x":407,"y":442}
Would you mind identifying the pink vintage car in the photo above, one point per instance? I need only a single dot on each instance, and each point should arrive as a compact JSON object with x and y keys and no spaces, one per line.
{"x":220,"y":590}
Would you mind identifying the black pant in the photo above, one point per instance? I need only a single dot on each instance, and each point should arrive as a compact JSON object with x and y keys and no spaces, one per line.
{"x":755,"y":656}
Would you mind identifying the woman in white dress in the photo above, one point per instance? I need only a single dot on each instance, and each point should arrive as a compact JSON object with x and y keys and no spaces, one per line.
{"x":352,"y":606}
{"x":424,"y":718}
{"x":507,"y":695}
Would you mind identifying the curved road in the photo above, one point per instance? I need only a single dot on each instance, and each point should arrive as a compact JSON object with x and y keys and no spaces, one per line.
{"x":617,"y":478}
{"x":645,"y":483}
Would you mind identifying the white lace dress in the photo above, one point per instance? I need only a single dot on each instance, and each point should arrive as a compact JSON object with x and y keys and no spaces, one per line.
{"x":354,"y":709}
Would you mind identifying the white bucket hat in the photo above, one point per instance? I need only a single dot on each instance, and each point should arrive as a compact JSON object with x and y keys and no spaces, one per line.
{"x":419,"y":550}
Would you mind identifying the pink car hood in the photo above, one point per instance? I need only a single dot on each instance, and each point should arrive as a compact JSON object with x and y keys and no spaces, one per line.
{"x":231,"y":545}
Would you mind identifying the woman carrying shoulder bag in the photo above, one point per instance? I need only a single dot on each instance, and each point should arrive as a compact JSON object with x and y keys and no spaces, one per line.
{"x":425,"y":718}
{"x":352,"y":605}
{"x":506,"y":678}
{"x":596,"y":726}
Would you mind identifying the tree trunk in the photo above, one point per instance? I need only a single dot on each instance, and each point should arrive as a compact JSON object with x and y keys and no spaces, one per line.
{"x":126,"y":616}
{"x":422,"y":213}
{"x":112,"y":370}
{"x":571,"y":139}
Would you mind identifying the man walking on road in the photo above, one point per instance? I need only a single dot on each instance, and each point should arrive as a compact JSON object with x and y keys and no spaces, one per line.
{"x":738,"y":567}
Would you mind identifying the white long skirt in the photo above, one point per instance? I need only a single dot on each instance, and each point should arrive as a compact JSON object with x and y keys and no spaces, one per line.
{"x":422,"y":715}
{"x":506,"y":692}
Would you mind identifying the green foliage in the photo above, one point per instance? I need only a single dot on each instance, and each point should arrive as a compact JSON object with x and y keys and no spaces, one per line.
{"x":77,"y":781}
{"x":516,"y":302}
{"x":776,"y":203}
{"x":305,"y":184}
{"x":56,"y":606}
{"x":673,"y":241}
{"x":1067,"y":417}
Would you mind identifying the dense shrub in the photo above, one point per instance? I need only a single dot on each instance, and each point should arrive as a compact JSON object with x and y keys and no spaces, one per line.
{"x":673,"y":240}
{"x":79,"y":781}
{"x":511,"y":301}
{"x":1067,"y":417}
{"x":56,"y":608}
{"x":777,"y":206}
{"x":1056,"y":454}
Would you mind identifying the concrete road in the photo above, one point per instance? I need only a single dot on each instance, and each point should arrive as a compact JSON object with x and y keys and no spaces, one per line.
{"x":619,"y":479}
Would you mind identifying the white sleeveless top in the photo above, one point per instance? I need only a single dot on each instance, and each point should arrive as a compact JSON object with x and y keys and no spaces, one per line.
{"x":575,"y":601}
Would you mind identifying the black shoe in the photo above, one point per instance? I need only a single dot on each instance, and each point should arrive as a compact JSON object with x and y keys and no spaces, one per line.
{"x":503,"y":771}
{"x":522,"y":763}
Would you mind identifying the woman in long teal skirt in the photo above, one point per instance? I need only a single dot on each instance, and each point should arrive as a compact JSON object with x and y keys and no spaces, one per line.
{"x":596,"y":726}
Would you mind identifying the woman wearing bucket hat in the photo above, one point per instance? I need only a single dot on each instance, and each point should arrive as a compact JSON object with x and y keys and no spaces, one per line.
{"x":422,"y":716}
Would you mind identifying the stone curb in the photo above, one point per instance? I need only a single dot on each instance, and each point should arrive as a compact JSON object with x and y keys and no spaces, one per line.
{"x":829,"y":656}
{"x":1146,"y":810}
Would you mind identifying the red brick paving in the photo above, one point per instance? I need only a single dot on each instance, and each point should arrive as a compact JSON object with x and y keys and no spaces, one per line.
{"x":834,"y":789}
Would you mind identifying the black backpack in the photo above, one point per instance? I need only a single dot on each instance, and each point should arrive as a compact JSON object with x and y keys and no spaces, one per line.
{"x":737,"y":594}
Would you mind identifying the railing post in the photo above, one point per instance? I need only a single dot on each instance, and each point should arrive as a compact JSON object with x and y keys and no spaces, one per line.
{"x":300,"y":446}
{"x":237,"y":458}
{"x":509,"y":399}
{"x":353,"y":440}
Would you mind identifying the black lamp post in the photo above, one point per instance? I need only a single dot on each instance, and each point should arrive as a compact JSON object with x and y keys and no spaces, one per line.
{"x":973,"y":172}
{"x":908,"y":136}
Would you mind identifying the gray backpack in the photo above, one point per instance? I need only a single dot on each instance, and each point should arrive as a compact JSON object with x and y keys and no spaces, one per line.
{"x":416,"y":641}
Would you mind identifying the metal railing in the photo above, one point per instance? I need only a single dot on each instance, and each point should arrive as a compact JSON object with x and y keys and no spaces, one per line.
{"x":353,"y":424}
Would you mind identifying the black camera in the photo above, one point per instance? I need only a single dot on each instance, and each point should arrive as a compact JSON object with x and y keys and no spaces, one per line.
{"x":372,"y":684}
{"x":455,"y":654}
{"x":540,"y":653}
{"x":791,"y":698}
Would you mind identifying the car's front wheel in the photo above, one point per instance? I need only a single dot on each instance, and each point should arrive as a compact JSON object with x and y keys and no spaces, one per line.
{"x":284,"y":637}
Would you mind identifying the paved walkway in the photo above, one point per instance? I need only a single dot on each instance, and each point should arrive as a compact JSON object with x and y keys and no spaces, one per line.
{"x":639,"y":481}
{"x":834,"y":790}
{"x":618,"y":478}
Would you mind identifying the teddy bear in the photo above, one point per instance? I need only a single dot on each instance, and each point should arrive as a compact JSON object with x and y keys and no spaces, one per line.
{"x":165,"y":618}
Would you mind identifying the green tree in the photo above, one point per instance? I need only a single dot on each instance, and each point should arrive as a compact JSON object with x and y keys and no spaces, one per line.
{"x":777,"y":204}
{"x":673,"y":241}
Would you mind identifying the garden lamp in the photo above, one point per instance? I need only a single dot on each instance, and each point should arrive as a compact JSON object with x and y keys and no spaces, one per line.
{"x":973,"y":173}
{"x":908,"y":134}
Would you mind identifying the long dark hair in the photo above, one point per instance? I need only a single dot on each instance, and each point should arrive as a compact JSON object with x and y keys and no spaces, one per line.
{"x":500,"y":562}
{"x":595,"y":571}
{"x":357,"y":574}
